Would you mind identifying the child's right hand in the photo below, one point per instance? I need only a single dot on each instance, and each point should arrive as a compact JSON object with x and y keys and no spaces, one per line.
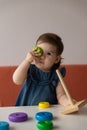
{"x":29,"y":57}
{"x":36,"y":52}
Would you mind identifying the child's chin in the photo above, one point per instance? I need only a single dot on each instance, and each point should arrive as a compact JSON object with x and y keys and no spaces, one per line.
{"x":40,"y":67}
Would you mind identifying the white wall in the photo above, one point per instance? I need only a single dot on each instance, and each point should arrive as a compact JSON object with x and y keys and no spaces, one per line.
{"x":22,"y":21}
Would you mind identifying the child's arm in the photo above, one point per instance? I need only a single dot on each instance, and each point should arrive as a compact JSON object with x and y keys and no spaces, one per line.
{"x":20,"y":73}
{"x":61,"y":96}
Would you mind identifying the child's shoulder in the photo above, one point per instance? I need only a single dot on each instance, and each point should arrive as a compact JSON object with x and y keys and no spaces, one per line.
{"x":62,"y":71}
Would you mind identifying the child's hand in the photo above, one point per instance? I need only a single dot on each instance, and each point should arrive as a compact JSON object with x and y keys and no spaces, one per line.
{"x":68,"y":103}
{"x":64,"y":101}
{"x":29,"y":58}
{"x":34,"y":54}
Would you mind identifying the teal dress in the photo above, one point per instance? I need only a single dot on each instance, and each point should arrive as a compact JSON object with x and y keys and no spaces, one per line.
{"x":39,"y":87}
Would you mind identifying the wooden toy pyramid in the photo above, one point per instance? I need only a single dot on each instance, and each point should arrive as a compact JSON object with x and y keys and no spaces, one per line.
{"x":74,"y":107}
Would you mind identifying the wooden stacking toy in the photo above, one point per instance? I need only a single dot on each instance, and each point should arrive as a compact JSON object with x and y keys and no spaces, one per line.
{"x":74,"y":107}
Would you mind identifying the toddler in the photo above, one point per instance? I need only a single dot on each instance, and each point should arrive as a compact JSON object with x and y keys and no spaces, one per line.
{"x":38,"y":74}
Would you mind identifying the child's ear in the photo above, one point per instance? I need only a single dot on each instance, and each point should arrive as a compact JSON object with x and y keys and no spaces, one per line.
{"x":58,"y":58}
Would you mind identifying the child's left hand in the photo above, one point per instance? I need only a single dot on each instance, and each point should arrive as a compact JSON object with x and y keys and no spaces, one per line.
{"x":68,"y":102}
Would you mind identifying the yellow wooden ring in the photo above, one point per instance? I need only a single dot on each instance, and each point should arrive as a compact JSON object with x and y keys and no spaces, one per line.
{"x":44,"y":105}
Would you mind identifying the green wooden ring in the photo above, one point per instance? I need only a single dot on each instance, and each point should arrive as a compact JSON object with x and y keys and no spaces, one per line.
{"x":45,"y":125}
{"x":39,"y":50}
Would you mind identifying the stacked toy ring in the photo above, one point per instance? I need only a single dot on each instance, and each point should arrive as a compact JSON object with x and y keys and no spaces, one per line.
{"x":44,"y":116}
{"x":39,"y":50}
{"x":44,"y":105}
{"x":4,"y":125}
{"x":18,"y":117}
{"x":45,"y":125}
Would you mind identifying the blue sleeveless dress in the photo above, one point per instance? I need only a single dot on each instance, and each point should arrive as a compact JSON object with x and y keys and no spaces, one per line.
{"x":39,"y":87}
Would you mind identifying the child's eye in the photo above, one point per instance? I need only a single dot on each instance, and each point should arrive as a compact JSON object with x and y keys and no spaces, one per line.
{"x":48,"y":53}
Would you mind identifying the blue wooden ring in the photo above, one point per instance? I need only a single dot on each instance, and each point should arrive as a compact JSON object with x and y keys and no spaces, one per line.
{"x":4,"y":125}
{"x":43,"y":116}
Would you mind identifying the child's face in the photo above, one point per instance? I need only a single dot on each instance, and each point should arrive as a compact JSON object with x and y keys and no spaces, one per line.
{"x":49,"y":57}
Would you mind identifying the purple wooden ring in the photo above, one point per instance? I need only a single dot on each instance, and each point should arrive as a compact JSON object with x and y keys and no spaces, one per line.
{"x":18,"y":117}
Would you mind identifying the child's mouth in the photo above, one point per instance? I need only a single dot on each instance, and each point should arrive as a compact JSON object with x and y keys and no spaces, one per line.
{"x":40,"y":61}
